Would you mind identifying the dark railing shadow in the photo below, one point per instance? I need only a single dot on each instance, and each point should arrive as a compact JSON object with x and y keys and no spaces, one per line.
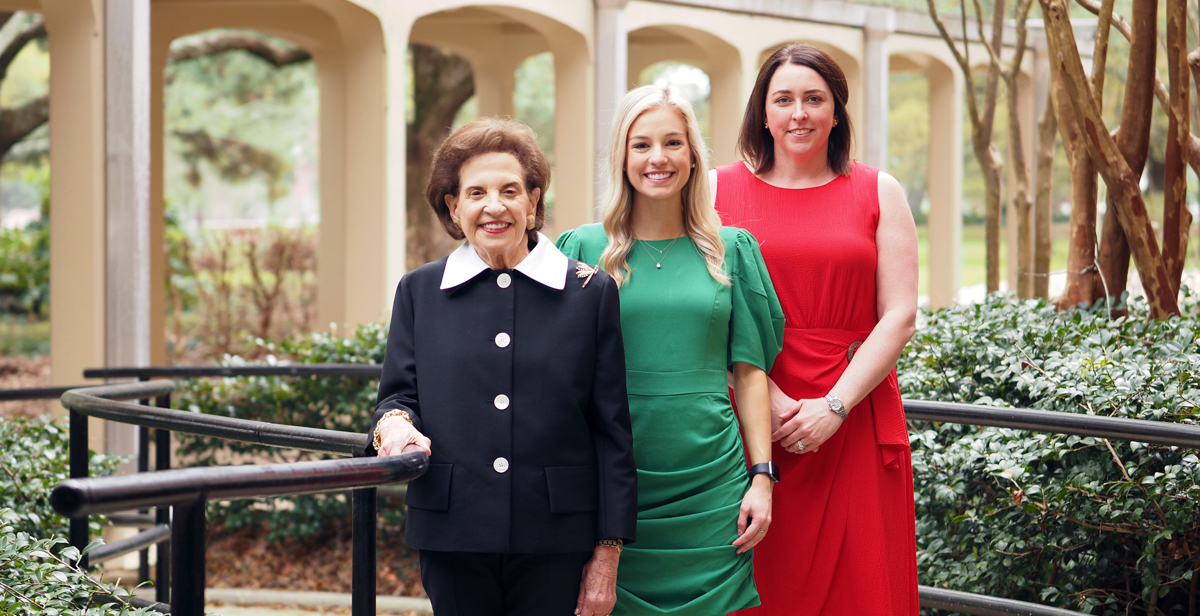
{"x":163,"y":420}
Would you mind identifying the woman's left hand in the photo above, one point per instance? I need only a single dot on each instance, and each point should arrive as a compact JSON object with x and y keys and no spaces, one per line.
{"x":598,"y":588}
{"x":811,"y":423}
{"x":754,"y":518}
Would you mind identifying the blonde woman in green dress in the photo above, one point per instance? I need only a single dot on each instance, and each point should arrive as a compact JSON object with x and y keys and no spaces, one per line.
{"x":697,"y":312}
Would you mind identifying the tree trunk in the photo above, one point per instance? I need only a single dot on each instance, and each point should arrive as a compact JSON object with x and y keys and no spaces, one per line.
{"x":1081,"y":249}
{"x":982,"y":121}
{"x":1177,"y":219}
{"x":1042,"y":209}
{"x":441,"y":84}
{"x":1020,"y":203}
{"x":1102,"y":148}
{"x":1133,"y":139}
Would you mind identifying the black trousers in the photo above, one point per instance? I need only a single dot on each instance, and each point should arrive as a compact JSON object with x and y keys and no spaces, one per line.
{"x":489,"y":584}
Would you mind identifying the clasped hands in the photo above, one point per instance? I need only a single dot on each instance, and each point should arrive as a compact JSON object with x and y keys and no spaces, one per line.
{"x":807,"y":421}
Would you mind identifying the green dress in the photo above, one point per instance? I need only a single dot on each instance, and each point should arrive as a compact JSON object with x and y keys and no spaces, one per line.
{"x":683,"y":331}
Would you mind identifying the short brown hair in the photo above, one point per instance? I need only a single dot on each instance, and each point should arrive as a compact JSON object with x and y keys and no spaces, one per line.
{"x":755,"y":143}
{"x":485,"y":136}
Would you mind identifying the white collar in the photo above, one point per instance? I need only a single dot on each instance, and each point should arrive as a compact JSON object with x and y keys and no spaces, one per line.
{"x":545,"y":264}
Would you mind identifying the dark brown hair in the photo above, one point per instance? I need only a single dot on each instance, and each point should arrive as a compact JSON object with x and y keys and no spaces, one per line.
{"x":485,"y":136}
{"x":755,"y":143}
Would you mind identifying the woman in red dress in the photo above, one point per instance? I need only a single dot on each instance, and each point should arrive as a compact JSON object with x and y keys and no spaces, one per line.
{"x":841,"y":247}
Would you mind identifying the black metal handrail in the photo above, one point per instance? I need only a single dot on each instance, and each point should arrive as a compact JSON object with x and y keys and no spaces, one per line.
{"x":187,"y":491}
{"x":36,"y":393}
{"x":1146,"y":431}
{"x":173,"y":372}
{"x":1098,"y":426}
{"x":98,"y":402}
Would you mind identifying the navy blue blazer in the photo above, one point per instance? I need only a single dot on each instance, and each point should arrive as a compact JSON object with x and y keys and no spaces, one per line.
{"x":521,"y":389}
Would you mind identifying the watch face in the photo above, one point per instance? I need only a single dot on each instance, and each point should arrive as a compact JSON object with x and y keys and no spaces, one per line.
{"x":834,"y":403}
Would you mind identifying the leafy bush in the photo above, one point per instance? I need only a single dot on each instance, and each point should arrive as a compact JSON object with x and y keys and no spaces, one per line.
{"x":36,"y":571}
{"x":331,"y":403}
{"x":33,"y":459}
{"x":1083,"y":523}
{"x":37,"y":576}
{"x":25,"y":268}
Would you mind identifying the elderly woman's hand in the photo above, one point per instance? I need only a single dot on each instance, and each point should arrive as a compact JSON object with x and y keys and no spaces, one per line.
{"x":397,"y":436}
{"x":598,"y":589}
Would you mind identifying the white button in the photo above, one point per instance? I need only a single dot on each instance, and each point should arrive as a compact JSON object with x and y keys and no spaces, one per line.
{"x":503,"y":280}
{"x":502,"y":402}
{"x":502,"y":340}
{"x":500,"y":465}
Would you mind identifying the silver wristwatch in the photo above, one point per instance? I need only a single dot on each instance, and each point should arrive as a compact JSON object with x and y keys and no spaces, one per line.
{"x":835,"y":405}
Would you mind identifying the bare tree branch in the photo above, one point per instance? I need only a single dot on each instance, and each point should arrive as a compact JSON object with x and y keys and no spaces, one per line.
{"x":1100,"y":55}
{"x":1177,"y":219}
{"x":16,"y":123}
{"x":270,"y":52}
{"x":1110,"y":162}
{"x":31,"y":32}
{"x":1021,"y":203}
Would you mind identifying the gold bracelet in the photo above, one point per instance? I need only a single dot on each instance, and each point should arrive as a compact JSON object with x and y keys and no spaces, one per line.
{"x":401,"y":413}
{"x":615,"y":543}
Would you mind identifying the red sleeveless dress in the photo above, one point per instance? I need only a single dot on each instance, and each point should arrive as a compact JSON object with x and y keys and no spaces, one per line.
{"x":843,"y":532}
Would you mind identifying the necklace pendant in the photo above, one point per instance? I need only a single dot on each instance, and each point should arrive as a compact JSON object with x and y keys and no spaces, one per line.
{"x":658,"y":266}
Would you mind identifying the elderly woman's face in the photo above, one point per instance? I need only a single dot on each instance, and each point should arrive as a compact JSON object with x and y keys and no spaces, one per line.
{"x":493,"y":206}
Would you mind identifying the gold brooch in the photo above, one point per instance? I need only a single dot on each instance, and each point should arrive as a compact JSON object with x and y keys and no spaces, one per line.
{"x":583,"y":270}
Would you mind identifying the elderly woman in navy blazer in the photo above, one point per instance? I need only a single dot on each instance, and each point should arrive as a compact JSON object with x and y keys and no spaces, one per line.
{"x":505,"y":363}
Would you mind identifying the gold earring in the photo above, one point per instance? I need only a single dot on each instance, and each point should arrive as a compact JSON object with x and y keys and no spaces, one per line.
{"x":455,"y":219}
{"x":529,"y":222}
{"x":835,"y":121}
{"x":767,"y":126}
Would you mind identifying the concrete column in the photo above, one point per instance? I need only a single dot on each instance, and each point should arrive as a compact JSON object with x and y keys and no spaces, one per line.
{"x":612,"y":61}
{"x":495,"y":79}
{"x":77,"y":258}
{"x":881,"y":22}
{"x":159,"y":49}
{"x":575,"y":135}
{"x":127,"y":193}
{"x":727,"y":103}
{"x":945,"y":184}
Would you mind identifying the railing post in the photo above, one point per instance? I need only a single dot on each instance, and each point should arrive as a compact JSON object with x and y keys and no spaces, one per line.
{"x":162,"y":513}
{"x":362,"y":598}
{"x":188,"y":538}
{"x":143,"y":466}
{"x":78,"y":435}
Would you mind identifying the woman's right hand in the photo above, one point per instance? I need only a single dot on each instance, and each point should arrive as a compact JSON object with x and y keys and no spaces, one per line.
{"x":783,"y":406}
{"x":397,"y":436}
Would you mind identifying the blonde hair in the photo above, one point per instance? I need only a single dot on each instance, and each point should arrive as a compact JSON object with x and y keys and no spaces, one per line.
{"x":700,"y":219}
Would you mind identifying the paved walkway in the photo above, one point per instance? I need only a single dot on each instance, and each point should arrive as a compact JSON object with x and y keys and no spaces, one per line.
{"x":248,"y":602}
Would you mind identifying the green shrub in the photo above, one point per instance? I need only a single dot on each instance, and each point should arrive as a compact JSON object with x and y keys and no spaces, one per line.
{"x":335,"y":403}
{"x":37,"y":576}
{"x":25,"y":268}
{"x":1082,"y":523}
{"x":34,"y":457}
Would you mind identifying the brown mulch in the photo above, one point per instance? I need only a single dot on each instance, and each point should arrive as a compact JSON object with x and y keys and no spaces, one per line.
{"x":19,"y":373}
{"x":244,"y":559}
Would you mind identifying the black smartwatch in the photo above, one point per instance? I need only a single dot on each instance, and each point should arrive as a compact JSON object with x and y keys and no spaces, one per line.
{"x":765,"y":468}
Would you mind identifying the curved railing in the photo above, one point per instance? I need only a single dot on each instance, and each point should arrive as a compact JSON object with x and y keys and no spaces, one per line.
{"x":1161,"y":433}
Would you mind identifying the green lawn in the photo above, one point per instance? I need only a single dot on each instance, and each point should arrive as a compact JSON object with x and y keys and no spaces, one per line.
{"x":974,"y":254}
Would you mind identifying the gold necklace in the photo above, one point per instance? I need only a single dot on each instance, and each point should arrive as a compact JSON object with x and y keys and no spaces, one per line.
{"x":664,"y":252}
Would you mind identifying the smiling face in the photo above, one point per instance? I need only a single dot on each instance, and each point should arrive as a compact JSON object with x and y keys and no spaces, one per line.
{"x":492,"y":207}
{"x":658,"y":157}
{"x":800,"y":112}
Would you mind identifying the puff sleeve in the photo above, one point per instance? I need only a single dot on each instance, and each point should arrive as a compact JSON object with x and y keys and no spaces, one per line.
{"x":756,"y":323}
{"x":570,"y":245}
